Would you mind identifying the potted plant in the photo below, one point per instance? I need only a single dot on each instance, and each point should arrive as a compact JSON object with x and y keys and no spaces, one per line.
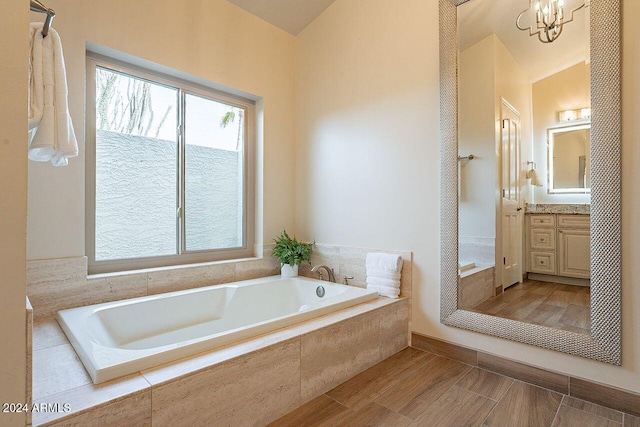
{"x":291,"y":254}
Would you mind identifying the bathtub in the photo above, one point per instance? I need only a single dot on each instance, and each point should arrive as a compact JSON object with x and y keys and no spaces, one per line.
{"x":119,"y":338}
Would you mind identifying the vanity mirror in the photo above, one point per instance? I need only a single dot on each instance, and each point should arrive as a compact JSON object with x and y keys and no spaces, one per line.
{"x":569,"y":159}
{"x":503,"y":157}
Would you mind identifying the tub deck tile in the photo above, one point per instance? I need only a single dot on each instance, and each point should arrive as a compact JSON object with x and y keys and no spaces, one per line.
{"x":88,"y":397}
{"x":57,"y":369}
{"x":134,"y":411}
{"x":47,"y":333}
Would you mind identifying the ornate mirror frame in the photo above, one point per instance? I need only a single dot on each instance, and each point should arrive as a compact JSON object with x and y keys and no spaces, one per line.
{"x":604,"y":343}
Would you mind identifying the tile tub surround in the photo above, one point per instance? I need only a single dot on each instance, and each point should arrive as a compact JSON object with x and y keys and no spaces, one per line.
{"x":273,"y":374}
{"x":57,"y":284}
{"x":588,"y":391}
{"x":475,"y":287}
{"x":350,"y":261}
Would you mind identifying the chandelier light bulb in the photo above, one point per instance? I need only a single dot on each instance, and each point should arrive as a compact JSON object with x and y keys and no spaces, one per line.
{"x":547,"y":21}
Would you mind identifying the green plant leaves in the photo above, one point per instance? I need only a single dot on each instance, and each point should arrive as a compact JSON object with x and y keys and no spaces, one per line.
{"x":290,"y":251}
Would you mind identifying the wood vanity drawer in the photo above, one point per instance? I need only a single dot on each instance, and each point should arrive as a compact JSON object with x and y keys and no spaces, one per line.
{"x":573,"y":221}
{"x":542,"y":262}
{"x":542,"y":220}
{"x":542,"y":239}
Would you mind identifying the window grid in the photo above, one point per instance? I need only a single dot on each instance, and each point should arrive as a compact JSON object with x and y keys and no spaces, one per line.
{"x":183,"y":255}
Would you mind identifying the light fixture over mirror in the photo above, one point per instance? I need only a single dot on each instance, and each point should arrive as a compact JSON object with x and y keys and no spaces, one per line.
{"x":546,"y":18}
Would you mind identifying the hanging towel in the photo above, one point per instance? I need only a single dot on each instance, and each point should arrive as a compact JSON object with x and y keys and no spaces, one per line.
{"x":51,"y":134}
{"x":532,"y":174}
{"x":383,"y":273}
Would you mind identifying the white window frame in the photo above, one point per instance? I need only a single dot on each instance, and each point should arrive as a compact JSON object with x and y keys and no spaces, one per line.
{"x":183,"y":256}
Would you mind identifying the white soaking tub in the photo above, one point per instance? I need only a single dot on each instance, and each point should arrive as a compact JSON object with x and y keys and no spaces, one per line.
{"x":122,"y":337}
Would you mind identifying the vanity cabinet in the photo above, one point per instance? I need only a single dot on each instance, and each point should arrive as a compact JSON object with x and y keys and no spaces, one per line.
{"x":558,"y":245}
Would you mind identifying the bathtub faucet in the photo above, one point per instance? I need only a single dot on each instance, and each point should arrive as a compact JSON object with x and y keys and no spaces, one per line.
{"x":332,"y":276}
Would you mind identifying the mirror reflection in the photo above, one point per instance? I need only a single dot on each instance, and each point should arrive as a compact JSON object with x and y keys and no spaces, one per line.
{"x":523,"y":138}
{"x":569,"y":159}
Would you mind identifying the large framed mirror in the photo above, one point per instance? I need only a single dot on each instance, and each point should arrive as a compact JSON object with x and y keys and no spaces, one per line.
{"x":530,"y":172}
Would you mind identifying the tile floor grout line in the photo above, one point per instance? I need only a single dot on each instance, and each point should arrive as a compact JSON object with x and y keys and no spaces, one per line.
{"x":555,"y":417}
{"x":497,"y":403}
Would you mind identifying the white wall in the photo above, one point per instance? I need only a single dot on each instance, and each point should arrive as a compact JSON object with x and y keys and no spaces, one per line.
{"x":477,"y":136}
{"x":567,"y":90}
{"x":14,"y":45}
{"x":368,"y":160}
{"x":212,"y":40}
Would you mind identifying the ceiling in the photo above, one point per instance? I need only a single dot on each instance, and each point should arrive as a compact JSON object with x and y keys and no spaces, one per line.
{"x":478,"y":19}
{"x":290,"y":15}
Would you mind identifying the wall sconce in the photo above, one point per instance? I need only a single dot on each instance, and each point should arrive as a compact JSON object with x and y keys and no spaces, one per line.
{"x":550,"y":17}
{"x":571,"y":115}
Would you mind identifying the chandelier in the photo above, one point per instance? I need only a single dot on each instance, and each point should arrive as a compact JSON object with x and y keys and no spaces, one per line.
{"x":550,"y":17}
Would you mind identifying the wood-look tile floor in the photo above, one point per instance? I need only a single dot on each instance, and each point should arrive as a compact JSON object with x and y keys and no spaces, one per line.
{"x":558,"y":306}
{"x":416,"y":388}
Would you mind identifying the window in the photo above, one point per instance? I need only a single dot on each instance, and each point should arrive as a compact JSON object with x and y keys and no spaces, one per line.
{"x":167,"y":170}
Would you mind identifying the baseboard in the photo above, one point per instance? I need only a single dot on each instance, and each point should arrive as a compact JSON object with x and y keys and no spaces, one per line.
{"x":601,"y":394}
{"x":559,"y":279}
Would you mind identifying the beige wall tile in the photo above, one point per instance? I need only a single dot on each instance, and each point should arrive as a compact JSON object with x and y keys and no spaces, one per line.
{"x":252,"y":390}
{"x":187,"y":277}
{"x":406,"y":278}
{"x":255,"y":268}
{"x":328,"y":255}
{"x":116,"y":287}
{"x":134,"y":411}
{"x":352,"y":263}
{"x":55,"y":284}
{"x":333,"y":354}
{"x":394,"y":328}
{"x":56,"y":270}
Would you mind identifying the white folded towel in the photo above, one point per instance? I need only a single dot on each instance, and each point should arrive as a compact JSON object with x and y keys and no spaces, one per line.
{"x":383,"y":273}
{"x":387,"y":283}
{"x":385,"y":291}
{"x":532,"y":174}
{"x":51,"y":133}
{"x":382,"y":263}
